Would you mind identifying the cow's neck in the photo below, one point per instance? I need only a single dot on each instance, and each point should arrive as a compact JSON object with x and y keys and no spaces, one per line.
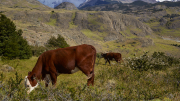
{"x":37,"y":70}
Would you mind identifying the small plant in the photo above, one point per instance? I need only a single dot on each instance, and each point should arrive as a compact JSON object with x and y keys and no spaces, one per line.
{"x":98,"y":57}
{"x":2,"y":77}
{"x":14,"y":83}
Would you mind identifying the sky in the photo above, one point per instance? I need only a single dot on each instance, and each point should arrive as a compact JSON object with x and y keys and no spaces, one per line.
{"x":51,"y":3}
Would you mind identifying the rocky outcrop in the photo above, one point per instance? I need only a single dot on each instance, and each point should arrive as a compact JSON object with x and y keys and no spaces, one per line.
{"x":67,"y":6}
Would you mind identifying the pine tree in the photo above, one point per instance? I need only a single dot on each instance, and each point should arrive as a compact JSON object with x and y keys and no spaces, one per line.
{"x":12,"y":44}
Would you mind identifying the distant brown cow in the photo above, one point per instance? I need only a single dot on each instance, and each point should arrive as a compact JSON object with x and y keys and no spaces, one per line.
{"x":62,"y":61}
{"x":110,"y":56}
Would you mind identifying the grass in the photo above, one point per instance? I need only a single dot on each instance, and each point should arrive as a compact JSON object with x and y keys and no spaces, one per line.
{"x":171,"y":11}
{"x":92,"y":35}
{"x":165,"y":32}
{"x":71,"y":24}
{"x":115,"y":82}
{"x":128,"y":34}
{"x":52,"y":22}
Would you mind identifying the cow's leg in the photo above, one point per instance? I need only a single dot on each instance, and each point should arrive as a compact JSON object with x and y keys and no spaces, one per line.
{"x":91,"y":80}
{"x":109,"y":61}
{"x":53,"y":78}
{"x":47,"y":79}
{"x":88,"y":70}
{"x":106,"y":61}
{"x":118,"y":61}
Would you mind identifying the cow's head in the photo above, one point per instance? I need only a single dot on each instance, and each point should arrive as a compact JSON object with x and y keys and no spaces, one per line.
{"x":103,"y":54}
{"x":30,"y":82}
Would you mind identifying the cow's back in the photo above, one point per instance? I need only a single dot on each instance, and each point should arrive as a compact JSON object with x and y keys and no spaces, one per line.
{"x":111,"y":56}
{"x":66,"y":59}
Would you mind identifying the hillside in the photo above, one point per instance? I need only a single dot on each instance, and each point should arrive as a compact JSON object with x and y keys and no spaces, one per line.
{"x":162,"y":17}
{"x":30,"y":4}
{"x":104,"y":30}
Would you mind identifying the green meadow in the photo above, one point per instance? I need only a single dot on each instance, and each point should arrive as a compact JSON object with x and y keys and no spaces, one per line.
{"x":150,"y":74}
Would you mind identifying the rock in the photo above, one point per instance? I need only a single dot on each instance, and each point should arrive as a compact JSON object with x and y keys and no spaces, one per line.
{"x":7,"y":68}
{"x":163,"y":21}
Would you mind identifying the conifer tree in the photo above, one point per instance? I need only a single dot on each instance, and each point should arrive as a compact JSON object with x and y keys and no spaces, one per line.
{"x":12,"y":44}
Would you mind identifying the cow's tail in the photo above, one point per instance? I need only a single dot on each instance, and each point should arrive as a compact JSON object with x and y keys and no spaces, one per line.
{"x":93,"y":63}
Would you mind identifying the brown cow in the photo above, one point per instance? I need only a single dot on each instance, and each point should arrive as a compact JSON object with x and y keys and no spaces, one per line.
{"x":110,"y":56}
{"x":62,"y":61}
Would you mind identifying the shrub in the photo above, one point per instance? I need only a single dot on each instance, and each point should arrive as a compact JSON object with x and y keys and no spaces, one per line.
{"x":157,"y":61}
{"x":58,"y":42}
{"x":37,"y":50}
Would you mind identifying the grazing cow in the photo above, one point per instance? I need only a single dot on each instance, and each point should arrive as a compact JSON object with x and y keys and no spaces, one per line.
{"x":62,"y":61}
{"x":110,"y":56}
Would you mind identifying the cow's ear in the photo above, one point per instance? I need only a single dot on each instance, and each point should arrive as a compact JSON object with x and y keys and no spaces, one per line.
{"x":34,"y":76}
{"x":29,"y":73}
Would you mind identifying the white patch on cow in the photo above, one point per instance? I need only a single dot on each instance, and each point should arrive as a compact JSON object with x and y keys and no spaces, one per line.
{"x":75,"y":70}
{"x":28,"y":85}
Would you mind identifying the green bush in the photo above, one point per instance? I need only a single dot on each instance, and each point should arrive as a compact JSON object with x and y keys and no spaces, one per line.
{"x":37,"y":50}
{"x":58,"y":42}
{"x":52,"y":43}
{"x":158,"y":61}
{"x":12,"y":44}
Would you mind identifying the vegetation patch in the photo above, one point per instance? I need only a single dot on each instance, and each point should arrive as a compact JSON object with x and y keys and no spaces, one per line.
{"x":170,"y":11}
{"x":128,"y":33}
{"x":71,"y":24}
{"x":158,"y":61}
{"x":93,"y":20}
{"x":52,"y":22}
{"x":165,"y":32}
{"x":91,"y":34}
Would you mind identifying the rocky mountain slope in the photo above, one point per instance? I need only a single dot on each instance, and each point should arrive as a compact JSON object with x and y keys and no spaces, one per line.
{"x":77,"y":27}
{"x":162,"y":17}
{"x":91,"y":3}
{"x":67,"y":6}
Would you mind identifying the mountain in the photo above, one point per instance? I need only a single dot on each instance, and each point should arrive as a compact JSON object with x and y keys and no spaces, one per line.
{"x":54,"y":3}
{"x":162,"y":17}
{"x":90,"y":3}
{"x":67,"y":6}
